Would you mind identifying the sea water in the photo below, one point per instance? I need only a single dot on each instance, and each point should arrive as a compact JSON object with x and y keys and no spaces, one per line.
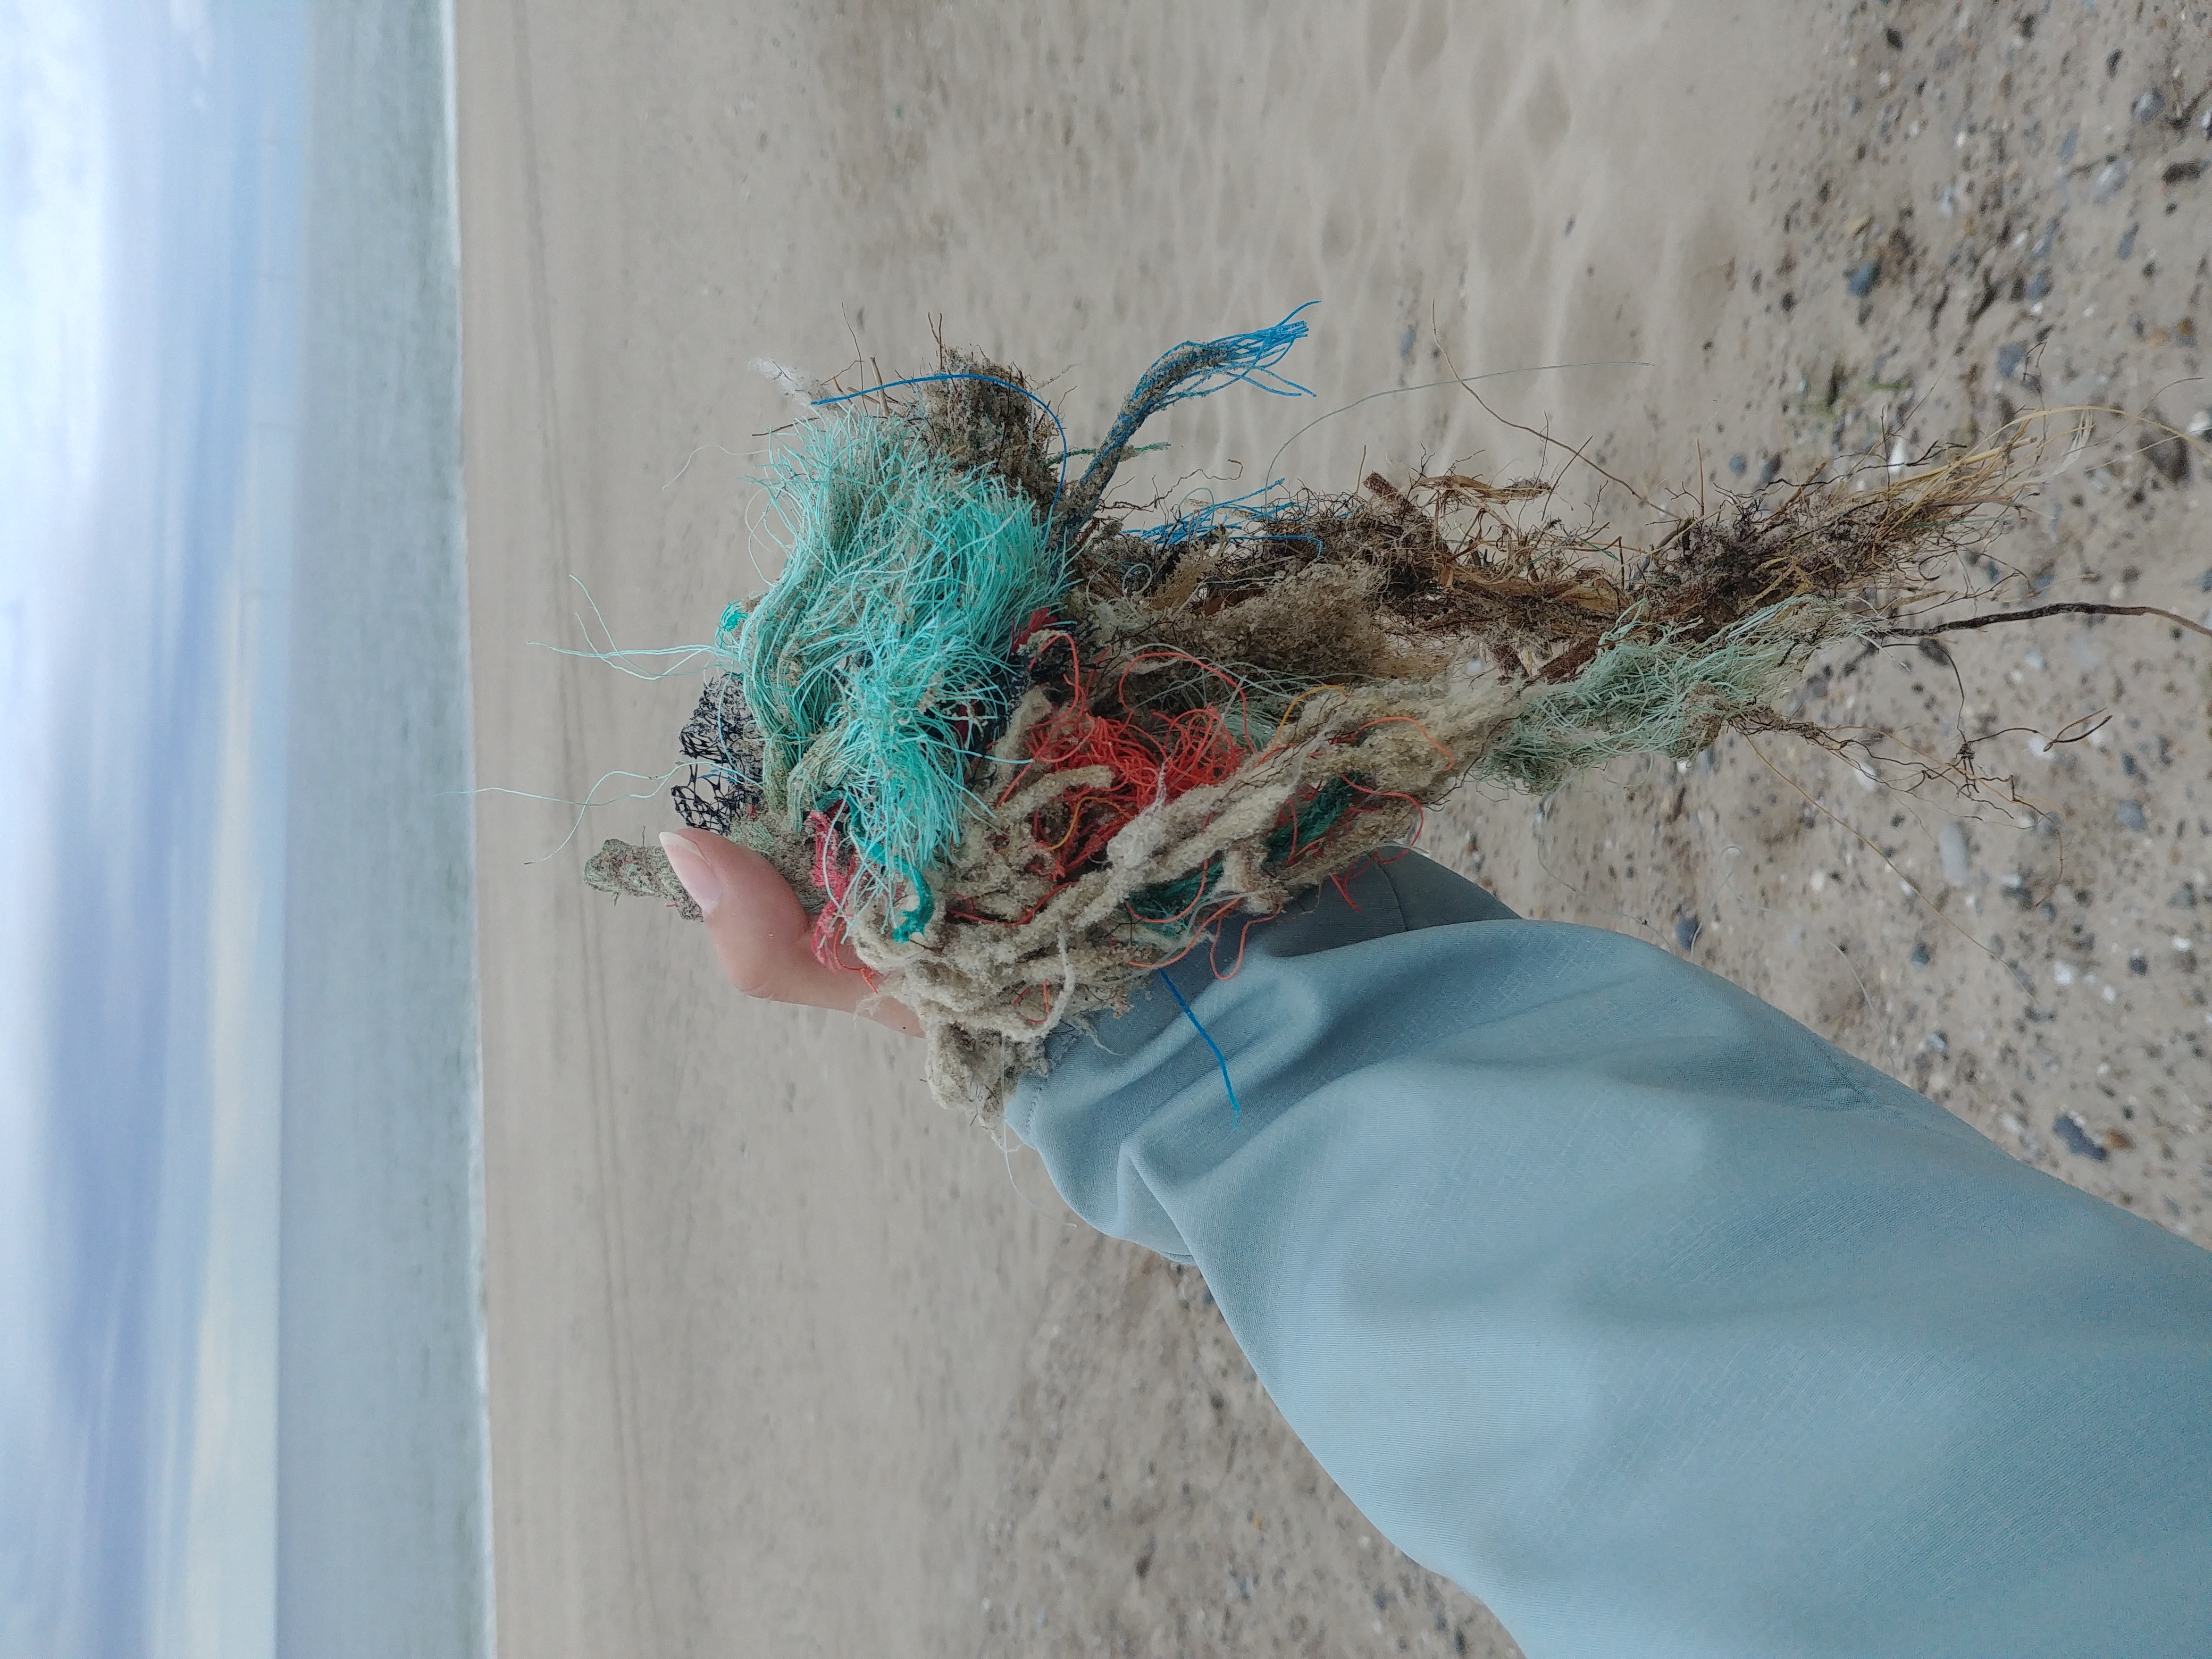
{"x":242,"y":1395}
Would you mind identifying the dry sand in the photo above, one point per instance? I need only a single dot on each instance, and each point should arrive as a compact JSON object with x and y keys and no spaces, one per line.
{"x":784,"y":1360}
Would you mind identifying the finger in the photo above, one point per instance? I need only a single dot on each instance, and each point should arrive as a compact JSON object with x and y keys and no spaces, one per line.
{"x":762,"y":934}
{"x":760,"y":929}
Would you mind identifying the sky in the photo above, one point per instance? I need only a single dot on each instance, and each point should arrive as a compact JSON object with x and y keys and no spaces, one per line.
{"x":150,"y":246}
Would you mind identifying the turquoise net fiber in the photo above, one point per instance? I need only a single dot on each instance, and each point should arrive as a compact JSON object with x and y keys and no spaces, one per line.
{"x":1666,"y":695}
{"x":878,"y":664}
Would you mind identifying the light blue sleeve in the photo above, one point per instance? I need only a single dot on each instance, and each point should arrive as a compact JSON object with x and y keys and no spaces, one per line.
{"x":1665,"y":1328}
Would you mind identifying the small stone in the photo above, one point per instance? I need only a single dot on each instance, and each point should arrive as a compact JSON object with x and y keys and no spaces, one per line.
{"x":2149,"y":104}
{"x":1958,"y":862}
{"x":2010,"y":356}
{"x":1769,"y":470}
{"x":2116,"y":1141}
{"x":2127,"y":248}
{"x":1920,"y":954}
{"x":2066,"y":145}
{"x":1737,"y":464}
{"x":2132,"y":816}
{"x":2068,"y":1128}
{"x":2110,"y":178}
{"x":2200,"y":428}
{"x":2139,"y":964}
{"x":2180,"y":173}
{"x":1862,"y":280}
{"x":2167,"y":451}
{"x":2039,"y":285}
{"x":1686,"y":929}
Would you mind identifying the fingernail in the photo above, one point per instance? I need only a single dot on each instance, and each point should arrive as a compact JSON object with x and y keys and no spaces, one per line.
{"x":693,"y":870}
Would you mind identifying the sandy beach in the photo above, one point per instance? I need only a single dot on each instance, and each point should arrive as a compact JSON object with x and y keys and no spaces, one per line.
{"x":785,"y":1360}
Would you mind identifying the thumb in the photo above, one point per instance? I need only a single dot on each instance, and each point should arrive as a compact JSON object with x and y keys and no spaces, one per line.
{"x":761,"y":933}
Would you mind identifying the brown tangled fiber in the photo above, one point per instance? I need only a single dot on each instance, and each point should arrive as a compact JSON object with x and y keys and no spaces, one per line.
{"x":1227,"y":712}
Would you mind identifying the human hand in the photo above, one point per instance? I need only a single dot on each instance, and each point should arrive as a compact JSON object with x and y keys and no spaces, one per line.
{"x":762,"y":933}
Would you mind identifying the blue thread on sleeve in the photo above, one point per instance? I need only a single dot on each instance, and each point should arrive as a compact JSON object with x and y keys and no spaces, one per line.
{"x":1235,"y":1110}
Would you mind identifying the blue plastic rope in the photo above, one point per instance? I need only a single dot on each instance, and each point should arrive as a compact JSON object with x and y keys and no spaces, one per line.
{"x":1198,"y":366}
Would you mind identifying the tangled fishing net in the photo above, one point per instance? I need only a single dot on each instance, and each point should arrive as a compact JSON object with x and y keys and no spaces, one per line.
{"x":1014,"y":756}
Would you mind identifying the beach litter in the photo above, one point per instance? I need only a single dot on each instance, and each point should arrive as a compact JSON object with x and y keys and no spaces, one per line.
{"x":1017,"y":750}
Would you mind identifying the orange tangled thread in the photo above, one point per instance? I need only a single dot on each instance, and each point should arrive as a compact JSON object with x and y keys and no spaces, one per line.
{"x":835,"y":864}
{"x":1150,"y":764}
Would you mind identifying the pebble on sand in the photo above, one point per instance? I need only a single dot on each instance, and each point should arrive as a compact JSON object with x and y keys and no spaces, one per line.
{"x":2166,"y":451}
{"x":1958,"y":861}
{"x":2067,"y":1127}
{"x":2132,"y":815}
